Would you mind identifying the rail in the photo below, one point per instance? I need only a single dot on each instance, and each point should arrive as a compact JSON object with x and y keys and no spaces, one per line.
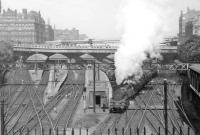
{"x":35,"y":110}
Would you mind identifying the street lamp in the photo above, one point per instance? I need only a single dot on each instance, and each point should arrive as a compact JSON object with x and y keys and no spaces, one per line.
{"x":91,"y":59}
{"x":2,"y":116}
{"x":94,"y":86}
{"x":2,"y":98}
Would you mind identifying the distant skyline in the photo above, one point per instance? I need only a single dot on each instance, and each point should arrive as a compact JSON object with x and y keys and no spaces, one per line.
{"x":96,"y":18}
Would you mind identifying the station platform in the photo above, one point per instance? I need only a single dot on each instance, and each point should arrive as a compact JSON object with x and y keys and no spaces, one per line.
{"x":36,"y":75}
{"x":86,"y":118}
{"x":56,"y":79}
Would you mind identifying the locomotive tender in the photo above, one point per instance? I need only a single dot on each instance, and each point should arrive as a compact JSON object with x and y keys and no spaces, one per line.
{"x":121,"y":95}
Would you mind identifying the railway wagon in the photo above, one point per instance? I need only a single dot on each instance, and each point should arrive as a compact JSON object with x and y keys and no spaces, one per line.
{"x":120,"y":100}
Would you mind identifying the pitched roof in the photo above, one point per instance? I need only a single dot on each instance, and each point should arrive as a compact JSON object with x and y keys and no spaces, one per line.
{"x":195,"y":67}
{"x":87,"y":57}
{"x":107,"y":61}
{"x":111,"y":56}
{"x":37,"y":58}
{"x":97,"y":61}
{"x":58,"y":57}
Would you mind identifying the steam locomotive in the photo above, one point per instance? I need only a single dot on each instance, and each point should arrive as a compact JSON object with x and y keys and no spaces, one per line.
{"x":121,"y":95}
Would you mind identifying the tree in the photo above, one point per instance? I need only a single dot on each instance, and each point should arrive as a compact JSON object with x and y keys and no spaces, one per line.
{"x":6,"y":52}
{"x":189,"y":51}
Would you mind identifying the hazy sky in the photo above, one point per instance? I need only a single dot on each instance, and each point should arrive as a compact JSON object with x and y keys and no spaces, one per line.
{"x":96,"y":18}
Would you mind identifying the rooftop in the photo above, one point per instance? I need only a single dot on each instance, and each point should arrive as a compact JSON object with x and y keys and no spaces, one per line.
{"x":195,"y":67}
{"x":9,"y":15}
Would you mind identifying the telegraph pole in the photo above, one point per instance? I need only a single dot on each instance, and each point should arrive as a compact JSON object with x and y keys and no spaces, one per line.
{"x":2,"y":118}
{"x":165,"y":107}
{"x":2,"y":102}
{"x":98,"y":72}
{"x":94,"y":95}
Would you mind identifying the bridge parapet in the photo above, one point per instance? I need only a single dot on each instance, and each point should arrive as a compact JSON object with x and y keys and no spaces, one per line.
{"x":61,"y":46}
{"x":83,"y":47}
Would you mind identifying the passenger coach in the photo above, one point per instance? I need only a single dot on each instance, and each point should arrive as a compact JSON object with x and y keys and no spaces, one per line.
{"x":194,"y":77}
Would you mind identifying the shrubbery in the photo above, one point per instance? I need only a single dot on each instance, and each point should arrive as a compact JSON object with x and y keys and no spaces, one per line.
{"x":189,"y":51}
{"x":6,"y":52}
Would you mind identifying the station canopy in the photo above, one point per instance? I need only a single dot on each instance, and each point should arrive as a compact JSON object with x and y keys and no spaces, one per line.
{"x":97,"y":61}
{"x":87,"y":57}
{"x":58,"y":57}
{"x":107,"y":61}
{"x":111,"y":56}
{"x":195,"y":67}
{"x":37,"y":58}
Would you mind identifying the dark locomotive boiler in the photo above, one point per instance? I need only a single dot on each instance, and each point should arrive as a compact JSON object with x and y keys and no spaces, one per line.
{"x":122,"y":93}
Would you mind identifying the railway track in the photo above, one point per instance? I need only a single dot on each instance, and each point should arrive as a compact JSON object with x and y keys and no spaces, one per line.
{"x":18,"y":104}
{"x":12,"y":96}
{"x":28,"y":99}
{"x":179,"y":121}
{"x":109,"y":123}
{"x":138,"y":116}
{"x":152,"y":119}
{"x":65,"y":115}
{"x":16,"y":107}
{"x":18,"y":97}
{"x":33,"y":114}
{"x":35,"y":94}
{"x":36,"y":111}
{"x":15,"y":100}
{"x":48,"y":107}
{"x":142,"y":115}
{"x":78,"y":96}
{"x":173,"y":117}
{"x":7,"y":89}
{"x":44,"y":122}
{"x":64,"y":118}
{"x":155,"y":117}
{"x":65,"y":89}
{"x":40,"y":117}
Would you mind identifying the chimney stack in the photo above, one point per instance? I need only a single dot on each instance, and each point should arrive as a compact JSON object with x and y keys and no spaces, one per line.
{"x":24,"y":11}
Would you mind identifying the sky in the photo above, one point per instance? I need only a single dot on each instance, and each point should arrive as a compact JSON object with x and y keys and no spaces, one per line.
{"x":97,"y":18}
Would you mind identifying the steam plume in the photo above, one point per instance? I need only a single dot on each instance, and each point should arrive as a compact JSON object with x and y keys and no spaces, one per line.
{"x":144,"y":27}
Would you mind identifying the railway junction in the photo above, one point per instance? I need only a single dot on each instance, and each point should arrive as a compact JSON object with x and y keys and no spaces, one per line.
{"x":59,"y":96}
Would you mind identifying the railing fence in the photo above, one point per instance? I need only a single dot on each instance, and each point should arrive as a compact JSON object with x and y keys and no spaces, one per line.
{"x":85,"y":131}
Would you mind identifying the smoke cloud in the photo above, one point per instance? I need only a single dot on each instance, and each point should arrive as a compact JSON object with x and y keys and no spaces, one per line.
{"x":144,"y":25}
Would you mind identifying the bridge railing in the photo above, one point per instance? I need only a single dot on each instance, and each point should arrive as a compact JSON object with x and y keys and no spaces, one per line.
{"x":181,"y":66}
{"x":77,"y":46}
{"x":80,"y":46}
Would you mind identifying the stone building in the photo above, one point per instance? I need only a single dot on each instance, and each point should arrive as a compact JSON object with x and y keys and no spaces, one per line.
{"x":49,"y":33}
{"x":26,"y":27}
{"x":189,"y":24}
{"x":67,"y":34}
{"x":103,"y":88}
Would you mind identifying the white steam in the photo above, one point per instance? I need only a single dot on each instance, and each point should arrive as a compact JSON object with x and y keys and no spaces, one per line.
{"x":144,"y":26}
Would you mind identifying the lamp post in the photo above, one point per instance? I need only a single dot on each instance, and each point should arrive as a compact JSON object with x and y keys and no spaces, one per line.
{"x":91,"y":59}
{"x":2,"y":117}
{"x":2,"y":96}
{"x":95,"y":62}
{"x":165,"y":107}
{"x":94,"y":85}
